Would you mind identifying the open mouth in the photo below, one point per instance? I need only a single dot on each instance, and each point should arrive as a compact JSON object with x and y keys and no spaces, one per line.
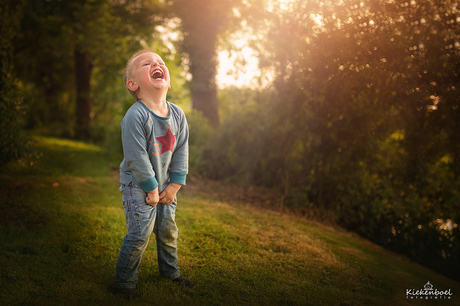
{"x":157,"y":74}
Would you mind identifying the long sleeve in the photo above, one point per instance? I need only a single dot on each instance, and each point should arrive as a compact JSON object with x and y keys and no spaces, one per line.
{"x":135,"y":151}
{"x":179,"y":160}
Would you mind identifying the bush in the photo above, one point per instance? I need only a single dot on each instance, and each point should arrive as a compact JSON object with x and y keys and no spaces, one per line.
{"x":360,"y":185}
{"x":201,"y":136}
{"x":12,"y":140}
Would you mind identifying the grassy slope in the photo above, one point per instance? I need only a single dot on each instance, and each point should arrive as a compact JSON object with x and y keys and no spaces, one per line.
{"x":62,"y":224}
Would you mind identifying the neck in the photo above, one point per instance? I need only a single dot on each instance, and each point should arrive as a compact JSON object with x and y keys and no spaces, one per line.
{"x":159,"y":107}
{"x":153,"y":96}
{"x":155,"y":100}
{"x":153,"y":103}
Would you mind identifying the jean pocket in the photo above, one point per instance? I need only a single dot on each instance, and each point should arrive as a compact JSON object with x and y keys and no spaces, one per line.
{"x":122,"y":188}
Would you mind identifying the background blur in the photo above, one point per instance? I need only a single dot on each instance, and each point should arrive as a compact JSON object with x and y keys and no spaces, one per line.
{"x":348,"y":109}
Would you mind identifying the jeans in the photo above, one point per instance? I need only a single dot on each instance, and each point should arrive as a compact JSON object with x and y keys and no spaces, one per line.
{"x":141,"y":220}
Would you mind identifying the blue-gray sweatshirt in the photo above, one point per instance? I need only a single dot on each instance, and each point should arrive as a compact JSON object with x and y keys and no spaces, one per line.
{"x":155,"y":148}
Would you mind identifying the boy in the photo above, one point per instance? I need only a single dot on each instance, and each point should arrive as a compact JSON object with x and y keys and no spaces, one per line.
{"x":155,"y":164}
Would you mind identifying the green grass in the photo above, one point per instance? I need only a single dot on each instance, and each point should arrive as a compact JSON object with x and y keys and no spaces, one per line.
{"x":62,"y":224}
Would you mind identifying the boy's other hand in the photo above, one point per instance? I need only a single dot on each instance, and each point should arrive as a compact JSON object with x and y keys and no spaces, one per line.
{"x":169,"y":193}
{"x":152,"y":197}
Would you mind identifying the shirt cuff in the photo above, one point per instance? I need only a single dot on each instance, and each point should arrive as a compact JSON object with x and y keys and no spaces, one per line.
{"x":177,"y":178}
{"x":149,"y":185}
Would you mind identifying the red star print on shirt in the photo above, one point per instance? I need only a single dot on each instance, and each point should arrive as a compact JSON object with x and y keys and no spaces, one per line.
{"x":167,"y":141}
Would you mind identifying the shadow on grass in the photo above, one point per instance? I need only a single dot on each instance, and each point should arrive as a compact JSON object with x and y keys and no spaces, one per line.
{"x":52,"y":227}
{"x":62,"y":225}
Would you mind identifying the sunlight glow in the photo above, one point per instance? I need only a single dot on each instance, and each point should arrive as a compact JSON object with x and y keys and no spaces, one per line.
{"x":170,"y":33}
{"x":282,"y":4}
{"x":318,"y":19}
{"x":240,"y":66}
{"x":241,"y":75}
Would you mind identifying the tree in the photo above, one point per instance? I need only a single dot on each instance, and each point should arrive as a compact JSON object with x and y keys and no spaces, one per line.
{"x":59,"y":37}
{"x":362,"y":120}
{"x":12,"y":143}
{"x":202,"y":22}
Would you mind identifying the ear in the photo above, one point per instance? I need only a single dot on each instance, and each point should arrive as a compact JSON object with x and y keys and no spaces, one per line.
{"x":132,"y":85}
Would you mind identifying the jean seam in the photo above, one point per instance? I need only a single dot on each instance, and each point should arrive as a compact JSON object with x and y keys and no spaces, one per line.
{"x":139,"y":230}
{"x":130,"y":223}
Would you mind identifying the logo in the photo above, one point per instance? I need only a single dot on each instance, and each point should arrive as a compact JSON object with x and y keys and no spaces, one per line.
{"x":428,"y":293}
{"x":167,"y":141}
{"x":156,"y":148}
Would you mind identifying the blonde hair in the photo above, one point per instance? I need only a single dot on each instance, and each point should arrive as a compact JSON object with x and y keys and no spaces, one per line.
{"x":128,"y":75}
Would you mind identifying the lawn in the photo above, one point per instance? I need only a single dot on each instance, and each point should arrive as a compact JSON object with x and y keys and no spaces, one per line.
{"x":62,"y":224}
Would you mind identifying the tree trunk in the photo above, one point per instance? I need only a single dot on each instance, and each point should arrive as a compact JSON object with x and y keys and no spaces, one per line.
{"x":83,"y":69}
{"x":203,"y":66}
{"x":202,"y":21}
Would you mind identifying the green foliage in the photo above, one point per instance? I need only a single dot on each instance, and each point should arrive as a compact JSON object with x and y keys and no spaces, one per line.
{"x":203,"y":22}
{"x":201,"y":133}
{"x":52,"y":32}
{"x":361,"y":122}
{"x":12,"y":140}
{"x":238,"y":144}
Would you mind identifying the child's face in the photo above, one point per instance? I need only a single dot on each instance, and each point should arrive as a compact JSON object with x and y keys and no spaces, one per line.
{"x":150,"y":72}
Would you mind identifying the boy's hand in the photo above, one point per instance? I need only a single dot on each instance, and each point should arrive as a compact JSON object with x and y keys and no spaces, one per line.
{"x":169,"y":193}
{"x":153,"y":197}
